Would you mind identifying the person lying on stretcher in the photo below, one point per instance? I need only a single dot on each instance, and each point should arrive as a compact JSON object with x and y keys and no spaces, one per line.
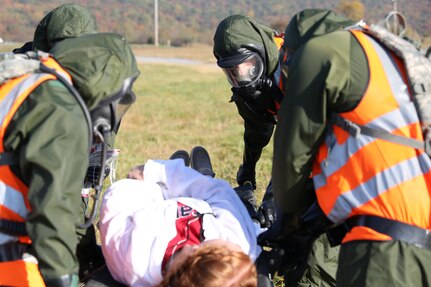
{"x":172,"y":225}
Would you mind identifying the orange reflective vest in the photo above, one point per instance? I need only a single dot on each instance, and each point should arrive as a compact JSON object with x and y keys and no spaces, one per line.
{"x":14,"y":204}
{"x":364,"y":175}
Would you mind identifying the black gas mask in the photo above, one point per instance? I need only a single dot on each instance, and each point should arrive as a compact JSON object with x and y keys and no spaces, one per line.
{"x":106,"y":117}
{"x":245,"y":69}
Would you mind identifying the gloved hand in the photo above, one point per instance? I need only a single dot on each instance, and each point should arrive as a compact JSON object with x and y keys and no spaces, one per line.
{"x":281,"y":229}
{"x":296,"y":245}
{"x":245,"y":174}
{"x":268,"y":212}
{"x":246,"y":194}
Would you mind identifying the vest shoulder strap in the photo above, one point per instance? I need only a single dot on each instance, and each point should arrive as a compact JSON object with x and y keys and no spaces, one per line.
{"x":355,"y":130}
{"x":15,"y":65}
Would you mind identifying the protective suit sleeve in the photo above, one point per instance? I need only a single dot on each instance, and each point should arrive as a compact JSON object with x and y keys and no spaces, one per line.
{"x":50,"y":136}
{"x":257,"y":134}
{"x":322,"y":78}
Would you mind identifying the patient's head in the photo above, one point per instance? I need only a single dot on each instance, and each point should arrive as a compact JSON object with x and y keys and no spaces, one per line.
{"x":215,"y":263}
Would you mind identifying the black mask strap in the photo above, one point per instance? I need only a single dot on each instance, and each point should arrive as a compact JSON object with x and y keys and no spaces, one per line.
{"x":104,"y":132}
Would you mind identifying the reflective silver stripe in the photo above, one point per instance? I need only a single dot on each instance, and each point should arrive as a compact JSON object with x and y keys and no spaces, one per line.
{"x":277,"y":74}
{"x":381,"y":182}
{"x":9,"y":197}
{"x":401,"y":117}
{"x":8,"y":101}
{"x":338,"y":155}
{"x":4,"y":238}
{"x":12,"y":199}
{"x":65,"y":76}
{"x":398,"y":87}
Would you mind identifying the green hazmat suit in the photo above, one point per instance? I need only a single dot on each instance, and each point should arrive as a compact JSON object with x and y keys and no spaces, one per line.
{"x":49,"y":137}
{"x":306,"y":78}
{"x":329,"y":72}
{"x":66,"y":21}
{"x":233,"y":33}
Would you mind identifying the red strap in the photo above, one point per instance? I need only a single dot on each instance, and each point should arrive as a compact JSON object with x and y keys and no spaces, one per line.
{"x":189,"y":231}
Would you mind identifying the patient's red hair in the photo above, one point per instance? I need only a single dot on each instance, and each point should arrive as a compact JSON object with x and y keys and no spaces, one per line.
{"x":213,"y":266}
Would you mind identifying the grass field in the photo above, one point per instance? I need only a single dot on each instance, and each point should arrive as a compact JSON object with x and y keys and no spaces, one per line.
{"x":180,"y":106}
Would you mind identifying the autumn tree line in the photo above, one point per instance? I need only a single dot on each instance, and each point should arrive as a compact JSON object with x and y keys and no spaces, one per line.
{"x":182,"y":22}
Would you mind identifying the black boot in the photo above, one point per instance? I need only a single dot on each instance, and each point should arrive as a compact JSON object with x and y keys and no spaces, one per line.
{"x":201,"y":161}
{"x":89,"y":253}
{"x":182,"y":154}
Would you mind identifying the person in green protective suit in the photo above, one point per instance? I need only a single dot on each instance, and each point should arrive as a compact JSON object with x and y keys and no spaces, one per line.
{"x":240,"y":42}
{"x":243,"y":46}
{"x":49,"y":138}
{"x":326,"y":72}
{"x":72,"y":20}
{"x":65,"y":21}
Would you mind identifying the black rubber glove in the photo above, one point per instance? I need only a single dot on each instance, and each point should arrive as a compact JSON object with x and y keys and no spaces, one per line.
{"x":296,"y":244}
{"x":281,"y":229}
{"x":268,"y":208}
{"x":269,"y":212}
{"x":245,"y":174}
{"x":67,"y":280}
{"x":246,"y":194}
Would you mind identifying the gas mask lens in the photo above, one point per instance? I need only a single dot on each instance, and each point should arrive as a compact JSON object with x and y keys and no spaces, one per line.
{"x":245,"y":73}
{"x":127,"y":98}
{"x":124,"y":103}
{"x":108,"y":114}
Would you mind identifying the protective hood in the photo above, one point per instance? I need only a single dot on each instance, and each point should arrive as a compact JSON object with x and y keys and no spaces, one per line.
{"x":311,"y":23}
{"x":98,"y":63}
{"x":66,"y":21}
{"x":238,"y":31}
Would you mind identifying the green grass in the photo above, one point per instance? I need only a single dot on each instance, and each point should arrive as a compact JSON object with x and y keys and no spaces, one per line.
{"x":181,"y":106}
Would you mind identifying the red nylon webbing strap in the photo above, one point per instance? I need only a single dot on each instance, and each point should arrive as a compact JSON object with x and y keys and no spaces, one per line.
{"x":189,"y":231}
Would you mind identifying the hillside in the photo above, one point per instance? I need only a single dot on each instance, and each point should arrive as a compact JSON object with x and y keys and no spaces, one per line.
{"x":193,"y":21}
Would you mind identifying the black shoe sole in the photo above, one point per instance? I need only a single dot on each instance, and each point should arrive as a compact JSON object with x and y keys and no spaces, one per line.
{"x":182,"y":154}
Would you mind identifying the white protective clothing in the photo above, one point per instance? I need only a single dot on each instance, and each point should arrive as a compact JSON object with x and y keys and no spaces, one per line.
{"x":138,"y":218}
